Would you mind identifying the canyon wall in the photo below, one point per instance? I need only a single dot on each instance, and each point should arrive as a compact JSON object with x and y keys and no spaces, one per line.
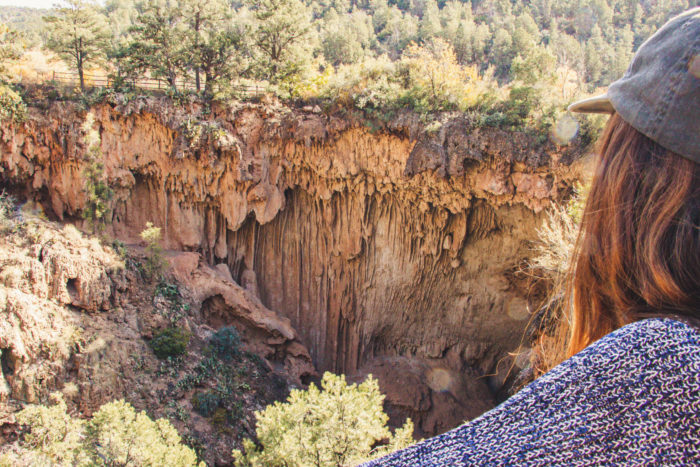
{"x":393,"y":252}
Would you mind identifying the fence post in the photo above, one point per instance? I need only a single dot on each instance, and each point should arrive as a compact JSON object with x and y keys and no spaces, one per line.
{"x":53,"y":76}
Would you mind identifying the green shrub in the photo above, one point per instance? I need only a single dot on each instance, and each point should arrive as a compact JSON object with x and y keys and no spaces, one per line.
{"x":494,"y":119}
{"x":12,"y":107}
{"x":220,"y":421}
{"x":115,"y":435}
{"x":169,"y":291}
{"x":258,"y":361}
{"x":155,"y":263}
{"x":592,"y":126}
{"x":177,"y":308}
{"x":8,"y":211}
{"x":99,"y":193}
{"x":522,"y":101}
{"x":226,"y":343}
{"x":339,"y":424}
{"x":120,"y":249}
{"x":170,"y":342}
{"x":206,"y":403}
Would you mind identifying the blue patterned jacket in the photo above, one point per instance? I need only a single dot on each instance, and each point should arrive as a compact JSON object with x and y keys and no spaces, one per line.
{"x":630,"y":398}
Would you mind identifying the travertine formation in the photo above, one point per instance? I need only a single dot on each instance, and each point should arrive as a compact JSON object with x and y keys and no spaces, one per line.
{"x":372,"y":247}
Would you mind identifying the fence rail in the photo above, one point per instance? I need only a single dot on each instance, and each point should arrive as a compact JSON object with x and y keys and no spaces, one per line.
{"x":152,"y":84}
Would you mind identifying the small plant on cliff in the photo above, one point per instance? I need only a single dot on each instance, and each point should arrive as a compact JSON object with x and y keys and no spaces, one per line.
{"x":206,"y":403}
{"x":155,"y":263}
{"x":557,"y":236}
{"x":98,"y":192}
{"x":176,"y":308}
{"x":226,"y":343}
{"x":8,"y":211}
{"x":170,"y":342}
{"x":339,"y":424}
{"x":120,"y":249}
{"x":553,"y":253}
{"x":200,"y":131}
{"x":116,"y":435}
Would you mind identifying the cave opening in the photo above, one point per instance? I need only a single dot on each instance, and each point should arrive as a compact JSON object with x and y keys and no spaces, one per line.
{"x":215,"y":311}
{"x":7,"y":363}
{"x":72,"y":288}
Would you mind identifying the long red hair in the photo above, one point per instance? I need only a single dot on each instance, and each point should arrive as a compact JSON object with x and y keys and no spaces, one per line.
{"x":638,"y":250}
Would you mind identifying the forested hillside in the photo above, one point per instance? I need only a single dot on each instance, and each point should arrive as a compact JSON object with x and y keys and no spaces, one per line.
{"x":26,"y":20}
{"x":593,"y":38}
{"x":510,"y":64}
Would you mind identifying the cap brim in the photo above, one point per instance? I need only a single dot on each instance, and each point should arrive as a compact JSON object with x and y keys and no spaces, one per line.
{"x":593,"y":105}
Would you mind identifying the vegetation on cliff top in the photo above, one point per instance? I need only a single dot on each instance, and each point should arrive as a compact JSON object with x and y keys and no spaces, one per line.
{"x":515,"y":63}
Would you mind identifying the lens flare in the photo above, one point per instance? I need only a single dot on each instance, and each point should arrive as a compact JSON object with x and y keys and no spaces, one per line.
{"x":565,"y":130}
{"x":517,"y":309}
{"x":439,"y":379}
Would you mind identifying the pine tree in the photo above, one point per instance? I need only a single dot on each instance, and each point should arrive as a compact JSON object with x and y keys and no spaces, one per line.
{"x":158,"y":42}
{"x":78,"y":34}
{"x":220,"y":56}
{"x":624,"y":46}
{"x":346,"y":38}
{"x":501,"y":53}
{"x":338,"y":424}
{"x":462,"y":44}
{"x":596,"y":56}
{"x":11,"y":48}
{"x":430,"y":23}
{"x":120,"y":16}
{"x":205,"y":21}
{"x":281,"y":27}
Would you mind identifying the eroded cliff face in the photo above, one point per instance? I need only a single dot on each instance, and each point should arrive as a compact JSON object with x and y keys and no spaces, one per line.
{"x":76,"y":317}
{"x":392,"y":252}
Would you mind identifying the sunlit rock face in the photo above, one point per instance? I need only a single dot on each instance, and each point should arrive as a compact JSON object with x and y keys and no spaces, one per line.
{"x":386,"y":246}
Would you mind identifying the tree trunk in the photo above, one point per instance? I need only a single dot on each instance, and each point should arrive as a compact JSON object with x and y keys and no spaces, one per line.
{"x":197,"y":25}
{"x":79,"y":63}
{"x":208,"y":84}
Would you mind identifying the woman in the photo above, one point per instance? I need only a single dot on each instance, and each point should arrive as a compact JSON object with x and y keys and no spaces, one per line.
{"x":629,"y":390}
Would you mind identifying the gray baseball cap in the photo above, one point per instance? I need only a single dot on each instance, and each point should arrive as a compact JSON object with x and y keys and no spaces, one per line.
{"x":659,"y":94}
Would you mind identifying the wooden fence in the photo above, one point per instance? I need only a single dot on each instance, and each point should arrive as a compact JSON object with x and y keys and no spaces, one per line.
{"x":151,"y":84}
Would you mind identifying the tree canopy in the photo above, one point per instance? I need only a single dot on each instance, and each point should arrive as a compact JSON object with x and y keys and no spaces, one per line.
{"x":278,"y":40}
{"x":115,"y":435}
{"x":515,"y":63}
{"x":78,"y":34}
{"x":11,"y":47}
{"x":339,"y":424}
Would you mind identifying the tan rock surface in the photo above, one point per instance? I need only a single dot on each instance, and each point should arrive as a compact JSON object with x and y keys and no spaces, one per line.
{"x":225,"y":303}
